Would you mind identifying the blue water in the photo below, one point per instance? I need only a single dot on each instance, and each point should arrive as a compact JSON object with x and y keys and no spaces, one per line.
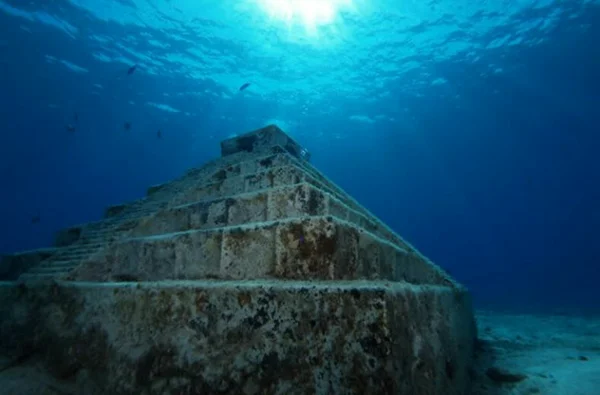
{"x":470,"y":127}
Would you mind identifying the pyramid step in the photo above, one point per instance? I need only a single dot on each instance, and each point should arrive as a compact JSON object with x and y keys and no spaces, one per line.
{"x":59,"y":263}
{"x":102,"y":237}
{"x":76,"y":254}
{"x":51,"y":270}
{"x":94,"y":240}
{"x":290,"y":201}
{"x":101,"y":233}
{"x":140,"y":213}
{"x":72,"y":258}
{"x":69,"y":256}
{"x":90,"y":246}
{"x":129,"y":212}
{"x":31,"y":277}
{"x":82,"y":246}
{"x":282,"y":175}
{"x":286,"y":249}
{"x":131,"y":215}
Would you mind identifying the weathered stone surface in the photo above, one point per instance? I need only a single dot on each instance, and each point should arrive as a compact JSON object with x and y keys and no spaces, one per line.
{"x":255,"y":337}
{"x":269,"y":204}
{"x":114,"y":210}
{"x":67,"y":237}
{"x":185,"y":255}
{"x":310,"y":248}
{"x":253,"y":274}
{"x":262,"y":139}
{"x":155,"y":188}
{"x":13,"y":265}
{"x":30,"y":378}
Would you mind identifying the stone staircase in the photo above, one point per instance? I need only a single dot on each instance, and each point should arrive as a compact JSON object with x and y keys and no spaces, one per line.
{"x":62,"y":262}
{"x":95,"y":237}
{"x":121,"y":219}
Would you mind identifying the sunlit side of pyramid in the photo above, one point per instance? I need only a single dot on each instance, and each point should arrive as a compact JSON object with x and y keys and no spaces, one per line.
{"x":253,"y":274}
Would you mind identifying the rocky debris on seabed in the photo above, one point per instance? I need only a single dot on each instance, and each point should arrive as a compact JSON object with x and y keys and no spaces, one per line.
{"x":500,"y":375}
{"x":523,"y":354}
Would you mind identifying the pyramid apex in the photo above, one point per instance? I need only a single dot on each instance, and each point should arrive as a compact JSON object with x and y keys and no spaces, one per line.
{"x":264,"y":139}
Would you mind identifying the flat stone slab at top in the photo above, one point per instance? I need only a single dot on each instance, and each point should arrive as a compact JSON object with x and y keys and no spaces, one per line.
{"x":261,"y":139}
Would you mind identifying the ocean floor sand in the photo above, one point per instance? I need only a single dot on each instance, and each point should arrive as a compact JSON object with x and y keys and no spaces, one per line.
{"x":556,"y":354}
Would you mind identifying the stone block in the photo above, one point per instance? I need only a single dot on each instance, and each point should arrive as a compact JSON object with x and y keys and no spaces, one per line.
{"x":273,"y":178}
{"x":67,"y":237}
{"x":17,"y":329}
{"x":155,"y":188}
{"x":247,"y":209}
{"x":252,"y":337}
{"x":226,"y":172}
{"x":217,"y":212}
{"x":248,"y":253}
{"x":185,"y":255}
{"x":342,"y":197}
{"x":210,"y":191}
{"x":266,"y":162}
{"x":241,"y":209}
{"x":412,"y":267}
{"x":13,"y":265}
{"x":297,"y":201}
{"x":113,"y":211}
{"x":372,"y":225}
{"x":177,"y":219}
{"x":308,"y":249}
{"x":261,"y":140}
{"x":338,"y":209}
{"x":376,"y":258}
{"x":272,"y":161}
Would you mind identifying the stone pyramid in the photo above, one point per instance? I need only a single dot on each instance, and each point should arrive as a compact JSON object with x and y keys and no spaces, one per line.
{"x":253,"y":274}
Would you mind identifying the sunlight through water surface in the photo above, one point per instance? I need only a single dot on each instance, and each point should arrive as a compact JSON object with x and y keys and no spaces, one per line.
{"x":309,"y":13}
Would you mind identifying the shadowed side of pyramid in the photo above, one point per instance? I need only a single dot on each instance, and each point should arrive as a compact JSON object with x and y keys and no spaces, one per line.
{"x":246,"y":268}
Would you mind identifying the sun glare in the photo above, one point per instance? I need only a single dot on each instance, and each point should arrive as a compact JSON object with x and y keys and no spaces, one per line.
{"x":309,"y":13}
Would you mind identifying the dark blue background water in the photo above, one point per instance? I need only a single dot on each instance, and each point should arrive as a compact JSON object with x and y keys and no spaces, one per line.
{"x":500,"y":187}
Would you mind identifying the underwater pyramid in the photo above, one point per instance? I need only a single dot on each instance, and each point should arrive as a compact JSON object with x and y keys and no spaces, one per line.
{"x":253,"y":274}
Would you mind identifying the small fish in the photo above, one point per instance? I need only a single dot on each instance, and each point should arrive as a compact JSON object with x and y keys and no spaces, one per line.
{"x":76,"y":117}
{"x":70,"y":128}
{"x":132,"y":69}
{"x":36,"y":219}
{"x":159,"y":134}
{"x":247,"y":84}
{"x":127,"y":125}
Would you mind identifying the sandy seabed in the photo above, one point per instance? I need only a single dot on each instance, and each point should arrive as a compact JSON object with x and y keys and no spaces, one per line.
{"x":552,"y":354}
